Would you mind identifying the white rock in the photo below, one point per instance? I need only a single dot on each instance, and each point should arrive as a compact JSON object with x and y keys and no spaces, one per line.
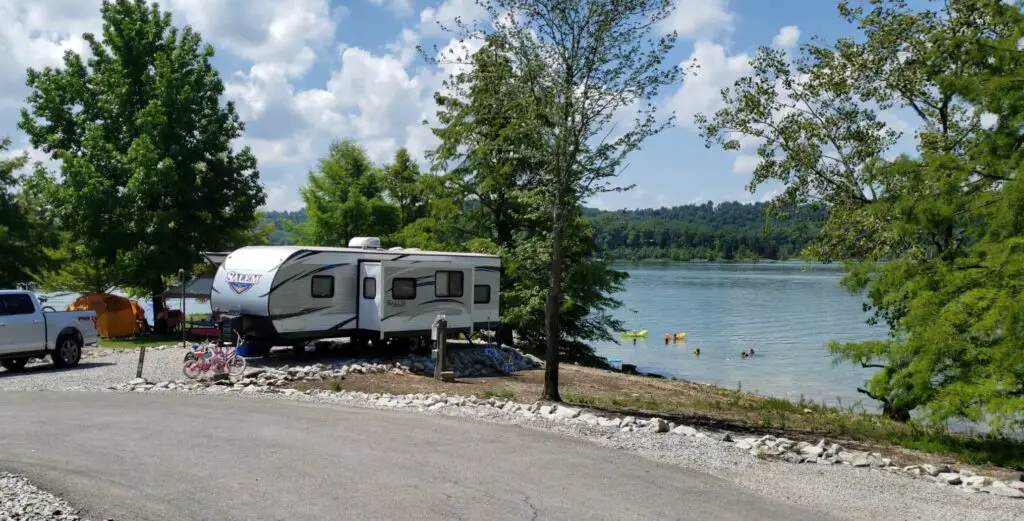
{"x":860,"y":460}
{"x":609,"y":422}
{"x":657,"y":425}
{"x":744,"y":445}
{"x":1019,"y":485}
{"x":138,"y":381}
{"x":949,"y":478}
{"x":685,"y":430}
{"x":589,"y":419}
{"x":627,"y":421}
{"x":792,"y":457}
{"x":812,"y":451}
{"x":566,"y":413}
{"x":436,"y":406}
{"x":975,"y":481}
{"x":934,"y":470}
{"x":834,"y":450}
{"x":546,"y":409}
{"x":1000,"y":489}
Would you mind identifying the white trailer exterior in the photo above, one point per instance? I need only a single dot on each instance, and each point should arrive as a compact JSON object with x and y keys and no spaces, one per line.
{"x":290,"y":294}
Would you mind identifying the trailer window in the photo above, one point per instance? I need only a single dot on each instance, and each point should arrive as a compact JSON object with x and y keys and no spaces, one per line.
{"x":403,"y":289}
{"x":322,"y":286}
{"x":16,"y":304}
{"x":448,"y":284}
{"x":369,"y":287}
{"x":481,"y":294}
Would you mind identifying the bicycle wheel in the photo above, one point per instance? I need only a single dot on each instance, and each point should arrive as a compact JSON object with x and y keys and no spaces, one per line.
{"x":191,"y":355}
{"x":236,"y":366}
{"x":192,"y":369}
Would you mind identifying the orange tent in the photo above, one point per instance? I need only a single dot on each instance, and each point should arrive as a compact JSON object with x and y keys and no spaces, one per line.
{"x":116,"y":316}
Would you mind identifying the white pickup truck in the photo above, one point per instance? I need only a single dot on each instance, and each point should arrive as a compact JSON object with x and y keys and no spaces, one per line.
{"x":30,"y":330}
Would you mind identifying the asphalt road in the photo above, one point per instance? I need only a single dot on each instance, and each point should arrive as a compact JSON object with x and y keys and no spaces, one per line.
{"x":182,"y":457}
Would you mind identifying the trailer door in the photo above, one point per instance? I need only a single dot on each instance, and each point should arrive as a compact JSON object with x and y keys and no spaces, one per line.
{"x":369,"y":296}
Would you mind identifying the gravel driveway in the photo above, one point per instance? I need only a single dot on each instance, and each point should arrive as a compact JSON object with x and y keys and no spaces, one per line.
{"x":99,"y":369}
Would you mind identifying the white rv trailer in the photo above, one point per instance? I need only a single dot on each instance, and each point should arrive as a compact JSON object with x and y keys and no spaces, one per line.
{"x":288,"y":295}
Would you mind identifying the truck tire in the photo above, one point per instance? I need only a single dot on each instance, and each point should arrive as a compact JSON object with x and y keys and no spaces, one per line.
{"x":14,"y":364}
{"x":68,"y":352}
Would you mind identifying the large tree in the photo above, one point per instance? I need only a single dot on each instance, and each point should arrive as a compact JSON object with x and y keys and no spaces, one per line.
{"x":582,"y":64}
{"x":23,"y":234}
{"x":402,"y":182}
{"x":344,"y":199}
{"x":487,"y":138}
{"x":934,"y":236}
{"x":149,"y":175}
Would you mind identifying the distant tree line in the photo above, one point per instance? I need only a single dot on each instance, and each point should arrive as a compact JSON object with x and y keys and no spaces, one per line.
{"x":726,"y":231}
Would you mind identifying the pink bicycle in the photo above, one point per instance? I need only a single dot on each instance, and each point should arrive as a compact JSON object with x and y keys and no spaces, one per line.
{"x":213,"y":357}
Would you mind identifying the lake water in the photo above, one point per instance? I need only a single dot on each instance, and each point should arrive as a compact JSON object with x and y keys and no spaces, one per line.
{"x":786,"y":312}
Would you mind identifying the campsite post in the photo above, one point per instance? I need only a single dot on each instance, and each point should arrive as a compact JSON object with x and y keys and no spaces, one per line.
{"x":440,"y":333}
{"x":142,"y":358}
{"x":184,"y":316}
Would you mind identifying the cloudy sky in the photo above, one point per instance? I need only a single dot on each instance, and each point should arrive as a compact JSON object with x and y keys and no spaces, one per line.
{"x":304,"y":72}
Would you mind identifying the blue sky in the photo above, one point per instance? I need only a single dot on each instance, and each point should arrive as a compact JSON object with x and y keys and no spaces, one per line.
{"x":305,"y":72}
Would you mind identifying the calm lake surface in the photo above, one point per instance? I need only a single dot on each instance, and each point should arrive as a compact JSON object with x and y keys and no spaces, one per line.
{"x":786,"y":312}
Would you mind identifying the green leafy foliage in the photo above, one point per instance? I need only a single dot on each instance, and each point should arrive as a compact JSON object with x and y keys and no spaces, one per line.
{"x":344,"y":199}
{"x":149,"y":177}
{"x":935,"y":238}
{"x":24,"y":235}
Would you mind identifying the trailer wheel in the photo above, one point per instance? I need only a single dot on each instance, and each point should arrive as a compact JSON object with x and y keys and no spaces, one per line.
{"x":417,"y":345}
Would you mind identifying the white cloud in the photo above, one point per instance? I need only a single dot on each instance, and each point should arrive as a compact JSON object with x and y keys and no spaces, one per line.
{"x":701,"y":91}
{"x":280,"y":197}
{"x":435,"y":21}
{"x":988,"y":120}
{"x":700,"y":19}
{"x":787,"y":38}
{"x":400,"y":8}
{"x":36,"y":33}
{"x":745,"y":164}
{"x":288,"y":33}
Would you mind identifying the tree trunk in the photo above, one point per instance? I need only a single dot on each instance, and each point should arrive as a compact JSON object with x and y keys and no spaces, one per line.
{"x":504,"y":335}
{"x":159,"y":326}
{"x":553,"y":308}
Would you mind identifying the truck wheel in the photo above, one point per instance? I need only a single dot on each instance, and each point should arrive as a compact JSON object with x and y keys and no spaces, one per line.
{"x":299,"y":350}
{"x":14,"y":364}
{"x":68,"y":352}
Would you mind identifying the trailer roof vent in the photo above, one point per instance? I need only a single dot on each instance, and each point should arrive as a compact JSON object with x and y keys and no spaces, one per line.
{"x":366,"y":243}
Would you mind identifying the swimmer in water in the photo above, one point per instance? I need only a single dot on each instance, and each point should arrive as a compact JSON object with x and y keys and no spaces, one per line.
{"x":751,"y":353}
{"x":667,"y":338}
{"x":743,"y":354}
{"x":696,"y":351}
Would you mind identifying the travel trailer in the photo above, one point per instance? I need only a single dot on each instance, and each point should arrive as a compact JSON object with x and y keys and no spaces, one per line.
{"x":290,"y":295}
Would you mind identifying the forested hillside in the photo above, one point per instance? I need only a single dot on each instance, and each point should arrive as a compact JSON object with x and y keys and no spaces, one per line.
{"x":726,"y":231}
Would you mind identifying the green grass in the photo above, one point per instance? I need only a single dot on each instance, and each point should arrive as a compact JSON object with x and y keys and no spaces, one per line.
{"x":504,"y":395}
{"x":132,"y":343}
